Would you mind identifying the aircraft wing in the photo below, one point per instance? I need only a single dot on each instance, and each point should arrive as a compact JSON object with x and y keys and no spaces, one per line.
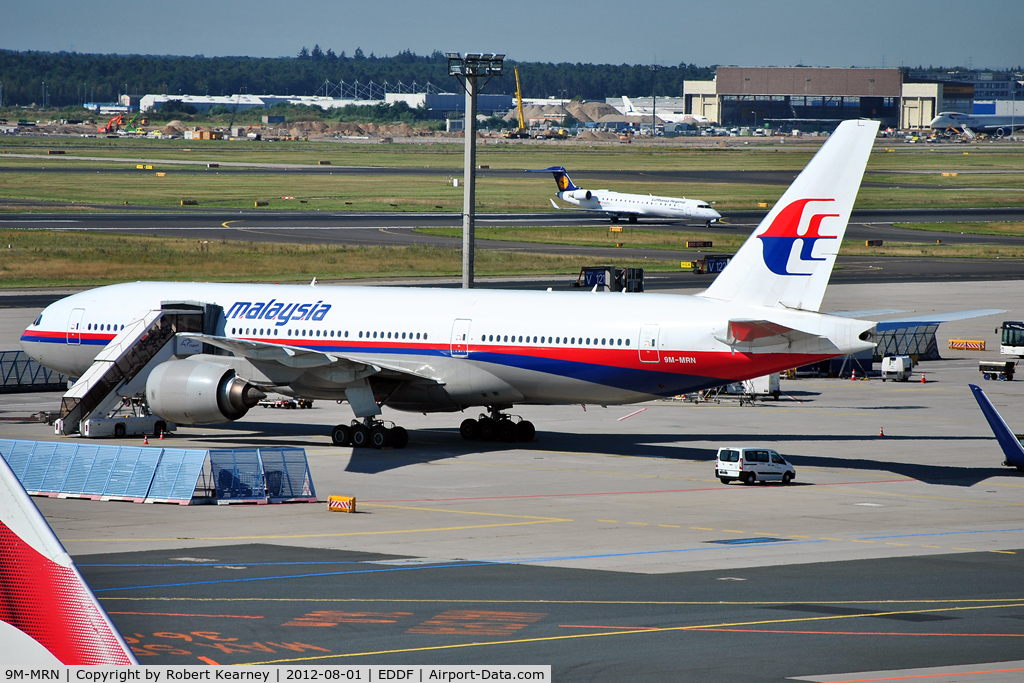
{"x":755,"y":333}
{"x":294,"y":357}
{"x":1011,"y":445}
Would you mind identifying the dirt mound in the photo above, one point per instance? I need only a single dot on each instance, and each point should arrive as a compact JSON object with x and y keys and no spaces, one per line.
{"x":597,"y":135}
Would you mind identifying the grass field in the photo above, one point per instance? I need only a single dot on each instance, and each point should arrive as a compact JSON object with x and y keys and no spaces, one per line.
{"x":42,"y":258}
{"x":723,"y":241}
{"x":990,"y":228}
{"x":677,"y":154}
{"x":907,"y":176}
{"x":418,"y":193}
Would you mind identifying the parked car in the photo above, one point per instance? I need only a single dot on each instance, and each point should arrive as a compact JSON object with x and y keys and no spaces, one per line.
{"x":752,"y":464}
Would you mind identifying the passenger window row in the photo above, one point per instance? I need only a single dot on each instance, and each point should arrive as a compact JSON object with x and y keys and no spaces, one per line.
{"x":99,"y":328}
{"x":260,"y":331}
{"x":571,"y":341}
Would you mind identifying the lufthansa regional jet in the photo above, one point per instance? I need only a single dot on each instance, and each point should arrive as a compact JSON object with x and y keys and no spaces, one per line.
{"x":617,"y":204}
{"x":444,"y":350}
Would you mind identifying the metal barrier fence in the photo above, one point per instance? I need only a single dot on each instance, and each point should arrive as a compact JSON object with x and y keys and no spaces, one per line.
{"x":18,"y":372}
{"x":160,"y":475}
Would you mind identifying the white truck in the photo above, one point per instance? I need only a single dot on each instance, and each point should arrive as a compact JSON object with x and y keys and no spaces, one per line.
{"x":766,"y":385}
{"x":897,"y":368}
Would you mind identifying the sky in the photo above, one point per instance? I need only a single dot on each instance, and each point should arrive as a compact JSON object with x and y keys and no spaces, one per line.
{"x":868,"y":33}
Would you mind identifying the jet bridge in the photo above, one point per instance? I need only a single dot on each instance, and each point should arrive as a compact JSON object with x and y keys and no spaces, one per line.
{"x":117,"y":378}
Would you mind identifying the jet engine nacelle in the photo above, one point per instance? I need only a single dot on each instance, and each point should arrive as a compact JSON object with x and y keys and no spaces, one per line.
{"x":188,"y":392}
{"x":581,"y":194}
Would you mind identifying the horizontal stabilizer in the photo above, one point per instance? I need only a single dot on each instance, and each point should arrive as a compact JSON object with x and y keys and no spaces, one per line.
{"x":1010,"y":444}
{"x":754,"y":333}
{"x":936,"y":318}
{"x":47,"y":612}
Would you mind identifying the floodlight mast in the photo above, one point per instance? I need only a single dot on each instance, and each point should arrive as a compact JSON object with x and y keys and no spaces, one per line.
{"x":468,"y":70}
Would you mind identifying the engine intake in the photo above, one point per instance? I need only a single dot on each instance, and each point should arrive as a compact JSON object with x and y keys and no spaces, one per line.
{"x":188,"y":392}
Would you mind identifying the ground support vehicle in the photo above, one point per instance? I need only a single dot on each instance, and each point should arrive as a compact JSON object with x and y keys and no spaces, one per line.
{"x":752,"y":464}
{"x":997,"y":370}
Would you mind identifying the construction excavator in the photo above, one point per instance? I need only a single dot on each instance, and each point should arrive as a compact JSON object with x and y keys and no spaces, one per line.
{"x":112,"y":125}
{"x":522,"y":132}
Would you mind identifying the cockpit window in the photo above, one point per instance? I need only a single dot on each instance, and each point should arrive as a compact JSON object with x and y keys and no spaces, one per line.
{"x":38,"y":320}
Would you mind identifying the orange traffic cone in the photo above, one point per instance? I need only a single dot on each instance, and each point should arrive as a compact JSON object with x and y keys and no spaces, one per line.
{"x":880,"y":432}
{"x":853,"y":374}
{"x":922,"y":378}
{"x":161,"y":435}
{"x":145,"y":439}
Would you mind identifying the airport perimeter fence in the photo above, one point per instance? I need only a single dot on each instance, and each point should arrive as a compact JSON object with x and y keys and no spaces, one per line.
{"x":160,"y":475}
{"x":18,"y":372}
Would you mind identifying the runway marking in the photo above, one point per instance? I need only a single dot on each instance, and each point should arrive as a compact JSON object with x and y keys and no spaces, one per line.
{"x":666,"y":603}
{"x":701,"y":528}
{"x":955,"y":500}
{"x":333,"y":618}
{"x":867,"y":633}
{"x":672,"y":526}
{"x":477,"y":622}
{"x":296,"y":576}
{"x":531,"y":520}
{"x":815,"y":633}
{"x":857,"y":540}
{"x":337,"y":535}
{"x":1003,"y":552}
{"x":175,"y":614}
{"x":702,"y":627}
{"x":638,"y":523}
{"x":973,"y":550}
{"x":610,"y":521}
{"x":946,"y":674}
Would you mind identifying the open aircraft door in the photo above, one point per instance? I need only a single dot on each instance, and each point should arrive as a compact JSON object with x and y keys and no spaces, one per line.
{"x":75,"y":326}
{"x":649,"y":352}
{"x":460,"y":338}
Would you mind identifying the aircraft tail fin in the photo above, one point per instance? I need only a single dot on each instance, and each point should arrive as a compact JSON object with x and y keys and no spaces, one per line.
{"x":628,"y":105}
{"x":788,"y":259}
{"x":561,"y":177}
{"x":1011,"y":445}
{"x":47,"y":612}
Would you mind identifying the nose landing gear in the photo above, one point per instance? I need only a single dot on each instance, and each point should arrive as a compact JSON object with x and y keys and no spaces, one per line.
{"x":370,"y":433}
{"x":497,"y":427}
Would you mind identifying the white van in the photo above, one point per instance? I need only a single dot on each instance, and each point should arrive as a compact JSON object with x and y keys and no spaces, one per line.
{"x":897,"y":368}
{"x":751,"y":464}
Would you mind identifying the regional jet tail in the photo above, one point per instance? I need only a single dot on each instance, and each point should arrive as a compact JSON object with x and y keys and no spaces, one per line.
{"x":1011,"y":444}
{"x":630,"y":206}
{"x":48,"y":615}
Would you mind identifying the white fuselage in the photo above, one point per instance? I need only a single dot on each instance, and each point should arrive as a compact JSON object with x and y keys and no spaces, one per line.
{"x":519,"y":346}
{"x":987,"y":123}
{"x":618,"y":203}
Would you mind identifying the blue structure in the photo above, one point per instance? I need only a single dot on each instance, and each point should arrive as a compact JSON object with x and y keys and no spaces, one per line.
{"x":160,"y":475}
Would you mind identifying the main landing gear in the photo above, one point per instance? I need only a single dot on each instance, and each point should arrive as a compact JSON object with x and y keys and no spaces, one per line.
{"x":497,"y":427}
{"x":370,"y":433}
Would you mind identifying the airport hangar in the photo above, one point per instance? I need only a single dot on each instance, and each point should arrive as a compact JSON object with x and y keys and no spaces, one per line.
{"x":810,"y":98}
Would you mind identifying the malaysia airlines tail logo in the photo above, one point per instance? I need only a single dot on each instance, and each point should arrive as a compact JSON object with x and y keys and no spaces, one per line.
{"x":778,"y":239}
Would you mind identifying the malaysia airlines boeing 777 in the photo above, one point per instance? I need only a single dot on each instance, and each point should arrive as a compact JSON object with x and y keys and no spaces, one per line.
{"x":444,"y":350}
{"x":617,"y":204}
